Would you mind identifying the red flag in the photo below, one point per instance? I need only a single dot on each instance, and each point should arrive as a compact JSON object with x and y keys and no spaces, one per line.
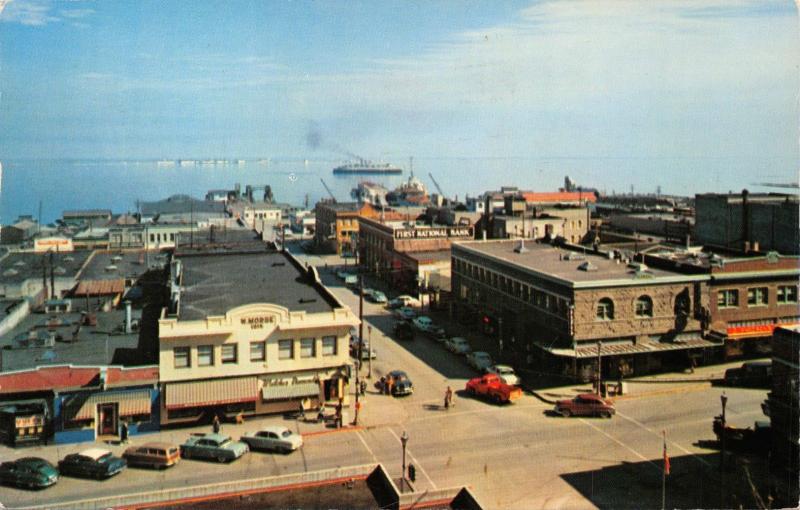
{"x":666,"y":457}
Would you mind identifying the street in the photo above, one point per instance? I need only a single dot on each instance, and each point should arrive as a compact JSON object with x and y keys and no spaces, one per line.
{"x":512,"y":456}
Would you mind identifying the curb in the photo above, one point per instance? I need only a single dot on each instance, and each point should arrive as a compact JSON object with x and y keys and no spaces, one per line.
{"x":347,"y":428}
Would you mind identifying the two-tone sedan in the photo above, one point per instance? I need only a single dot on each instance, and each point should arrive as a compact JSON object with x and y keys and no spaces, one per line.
{"x":91,"y":463}
{"x":29,"y":473}
{"x":212,"y":446}
{"x":273,"y":438}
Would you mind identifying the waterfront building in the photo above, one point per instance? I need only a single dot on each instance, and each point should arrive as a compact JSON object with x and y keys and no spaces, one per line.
{"x":181,"y":209}
{"x":249,"y":331}
{"x":336,"y":229}
{"x":255,"y":214}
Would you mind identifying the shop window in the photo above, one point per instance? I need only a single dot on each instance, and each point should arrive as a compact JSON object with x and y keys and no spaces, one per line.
{"x":757,"y":296}
{"x":205,"y":355}
{"x":182,"y":359}
{"x":229,"y":353}
{"x":605,"y":309}
{"x":787,"y":294}
{"x":644,"y":306}
{"x":286,"y":349}
{"x":728,"y":298}
{"x":329,"y":346}
{"x":308,"y":348}
{"x":258,"y":351}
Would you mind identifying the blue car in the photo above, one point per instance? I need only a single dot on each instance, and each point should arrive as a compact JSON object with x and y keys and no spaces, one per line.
{"x":213,"y":447}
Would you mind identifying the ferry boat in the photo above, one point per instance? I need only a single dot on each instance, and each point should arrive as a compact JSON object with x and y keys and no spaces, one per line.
{"x":363,"y":166}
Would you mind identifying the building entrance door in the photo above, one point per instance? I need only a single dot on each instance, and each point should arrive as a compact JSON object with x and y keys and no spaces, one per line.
{"x":107,"y":419}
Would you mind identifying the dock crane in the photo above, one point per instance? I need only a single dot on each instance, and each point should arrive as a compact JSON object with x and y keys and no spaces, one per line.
{"x":328,"y":190}
{"x":436,"y":184}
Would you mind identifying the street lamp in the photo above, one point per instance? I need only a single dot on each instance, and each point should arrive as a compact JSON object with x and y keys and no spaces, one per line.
{"x":404,"y":440}
{"x":724,"y":401}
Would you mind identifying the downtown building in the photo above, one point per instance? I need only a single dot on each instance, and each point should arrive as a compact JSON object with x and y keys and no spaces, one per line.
{"x":249,"y":331}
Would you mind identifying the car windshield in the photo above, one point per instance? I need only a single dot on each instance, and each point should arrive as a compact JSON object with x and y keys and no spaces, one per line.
{"x":104,"y":458}
{"x":224,"y":442}
{"x":286,"y":433}
{"x":505,"y":371}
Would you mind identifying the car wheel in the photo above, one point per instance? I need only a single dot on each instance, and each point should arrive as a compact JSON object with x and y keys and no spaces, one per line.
{"x":221,"y":459}
{"x":605,"y":414}
{"x":566,"y":413}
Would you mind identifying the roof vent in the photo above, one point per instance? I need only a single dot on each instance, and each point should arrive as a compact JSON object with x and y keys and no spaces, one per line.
{"x":19,"y":263}
{"x":69,"y":258}
{"x":111,"y":267}
{"x":638,"y":266}
{"x":116,"y":258}
{"x":307,"y":300}
{"x":59,"y":270}
{"x":587,"y":266}
{"x":278,"y":264}
{"x":10,"y":272}
{"x":574,"y":256}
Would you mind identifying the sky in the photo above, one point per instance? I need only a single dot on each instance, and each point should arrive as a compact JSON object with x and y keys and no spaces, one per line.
{"x":676,"y":88}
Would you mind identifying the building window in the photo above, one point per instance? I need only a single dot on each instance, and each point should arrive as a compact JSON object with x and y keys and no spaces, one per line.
{"x":172,"y":237}
{"x":605,"y":309}
{"x":182,"y":359}
{"x":152,"y":238}
{"x":286,"y":349}
{"x":205,"y":355}
{"x":757,"y":296}
{"x":728,"y":298}
{"x":258,"y":351}
{"x":644,"y":306}
{"x":329,"y":346}
{"x":787,"y":294}
{"x":229,"y":353}
{"x":308,"y":348}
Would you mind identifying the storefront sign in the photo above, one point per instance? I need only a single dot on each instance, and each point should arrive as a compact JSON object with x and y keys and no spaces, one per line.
{"x":258,"y":321}
{"x":433,"y":233}
{"x":29,"y":421}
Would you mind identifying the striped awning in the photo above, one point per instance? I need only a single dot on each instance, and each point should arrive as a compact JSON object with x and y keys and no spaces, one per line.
{"x":130,"y":403}
{"x":214,"y":392}
{"x":287,"y":391}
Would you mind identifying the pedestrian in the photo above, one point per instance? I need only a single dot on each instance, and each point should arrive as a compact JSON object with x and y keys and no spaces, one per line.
{"x":338,"y":415}
{"x":215,"y":425}
{"x":389,"y":386}
{"x":448,"y":398}
{"x":302,"y":414}
{"x":363,"y":387}
{"x":123,"y":432}
{"x":321,"y":414}
{"x":383,"y":385}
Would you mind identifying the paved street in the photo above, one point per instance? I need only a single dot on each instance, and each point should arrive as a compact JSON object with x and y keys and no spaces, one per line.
{"x":514,"y":456}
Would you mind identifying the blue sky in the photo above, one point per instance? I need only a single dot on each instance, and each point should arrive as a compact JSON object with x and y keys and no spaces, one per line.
{"x":674,"y":84}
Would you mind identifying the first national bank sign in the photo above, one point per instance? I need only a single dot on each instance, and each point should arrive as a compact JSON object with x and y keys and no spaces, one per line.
{"x":433,"y":233}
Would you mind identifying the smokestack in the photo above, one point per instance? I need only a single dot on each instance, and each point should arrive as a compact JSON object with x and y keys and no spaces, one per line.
{"x":127,"y":316}
{"x":52,"y":277}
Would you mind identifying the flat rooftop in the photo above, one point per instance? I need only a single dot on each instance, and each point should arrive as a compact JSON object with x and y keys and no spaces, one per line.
{"x":567,"y":266}
{"x":214,"y":284}
{"x":17,"y":267}
{"x":114,"y":265}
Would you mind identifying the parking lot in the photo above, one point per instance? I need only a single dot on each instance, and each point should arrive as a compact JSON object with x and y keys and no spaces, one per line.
{"x":512,"y":456}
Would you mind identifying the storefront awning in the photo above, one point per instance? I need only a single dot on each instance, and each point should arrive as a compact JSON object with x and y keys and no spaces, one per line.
{"x":131,"y":403}
{"x":214,"y":392}
{"x":628,"y":348}
{"x":287,"y":391}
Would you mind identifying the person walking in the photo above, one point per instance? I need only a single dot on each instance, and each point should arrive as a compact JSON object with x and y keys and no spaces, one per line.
{"x":448,"y":398}
{"x":215,"y":424}
{"x":302,"y":412}
{"x":389,"y":386}
{"x":338,"y":416}
{"x":363,"y":387}
{"x":123,"y":433}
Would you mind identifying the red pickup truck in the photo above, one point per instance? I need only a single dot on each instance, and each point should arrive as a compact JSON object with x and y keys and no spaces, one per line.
{"x":492,"y":387}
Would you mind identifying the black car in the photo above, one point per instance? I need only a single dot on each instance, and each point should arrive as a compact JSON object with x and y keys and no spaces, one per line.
{"x":404,"y":330}
{"x":753,"y":374}
{"x":92,"y":463}
{"x":28,"y":472}
{"x":400,"y":383}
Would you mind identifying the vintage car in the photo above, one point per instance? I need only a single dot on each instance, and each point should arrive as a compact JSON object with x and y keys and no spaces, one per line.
{"x":403,"y":330}
{"x":479,"y":360}
{"x":586,"y":404}
{"x":91,"y":463}
{"x":458,"y":345}
{"x":506,"y":374}
{"x":403,"y":301}
{"x":405,"y":313}
{"x":749,"y":439}
{"x":490,"y":386}
{"x":752,"y":374}
{"x":153,"y":455}
{"x":273,"y":438}
{"x":29,"y":473}
{"x":214,"y":447}
{"x":376,"y":296}
{"x":401,"y":384}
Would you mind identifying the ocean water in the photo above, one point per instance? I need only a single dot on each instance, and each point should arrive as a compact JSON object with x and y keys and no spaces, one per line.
{"x":59,"y":185}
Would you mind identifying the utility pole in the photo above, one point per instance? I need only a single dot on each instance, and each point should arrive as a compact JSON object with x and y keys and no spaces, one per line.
{"x":360,"y":342}
{"x":599,"y":368}
{"x":369,"y":341}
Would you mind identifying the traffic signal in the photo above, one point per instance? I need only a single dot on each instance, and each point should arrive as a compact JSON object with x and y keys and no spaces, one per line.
{"x":412,"y":473}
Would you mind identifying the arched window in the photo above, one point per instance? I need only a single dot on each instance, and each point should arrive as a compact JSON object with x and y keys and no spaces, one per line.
{"x":644,"y":306}
{"x":605,"y":309}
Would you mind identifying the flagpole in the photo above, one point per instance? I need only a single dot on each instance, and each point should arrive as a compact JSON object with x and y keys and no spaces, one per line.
{"x":664,"y":473}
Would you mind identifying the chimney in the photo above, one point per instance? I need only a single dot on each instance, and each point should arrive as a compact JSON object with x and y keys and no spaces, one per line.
{"x":746,"y":220}
{"x":127,"y":316}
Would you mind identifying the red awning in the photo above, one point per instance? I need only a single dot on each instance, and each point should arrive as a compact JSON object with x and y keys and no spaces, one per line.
{"x":213,"y":392}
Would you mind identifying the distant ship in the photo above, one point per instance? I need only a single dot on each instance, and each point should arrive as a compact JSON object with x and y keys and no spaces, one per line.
{"x":362,"y":166}
{"x":412,"y":192}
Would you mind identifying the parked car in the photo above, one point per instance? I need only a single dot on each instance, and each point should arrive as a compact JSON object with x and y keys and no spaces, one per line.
{"x":153,"y":455}
{"x":366,"y":351}
{"x":405,"y":313}
{"x":403,"y":301}
{"x":403,"y":330}
{"x":506,"y":374}
{"x":351,"y":280}
{"x":425,"y":325}
{"x":587,"y":404}
{"x":213,"y":446}
{"x":29,"y":473}
{"x":401,"y":384}
{"x":458,"y":345}
{"x":479,"y":360}
{"x":753,"y":374}
{"x":377,"y":296}
{"x":91,"y":463}
{"x":342,"y":275}
{"x":493,"y":388}
{"x":273,"y":438}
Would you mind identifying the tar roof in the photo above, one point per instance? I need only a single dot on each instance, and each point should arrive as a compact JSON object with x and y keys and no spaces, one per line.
{"x":20,"y":266}
{"x":214,"y":284}
{"x":113,"y":265}
{"x":567,"y":266}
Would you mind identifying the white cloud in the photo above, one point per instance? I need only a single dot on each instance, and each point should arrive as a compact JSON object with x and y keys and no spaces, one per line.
{"x":76,"y":13}
{"x":40,"y":12}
